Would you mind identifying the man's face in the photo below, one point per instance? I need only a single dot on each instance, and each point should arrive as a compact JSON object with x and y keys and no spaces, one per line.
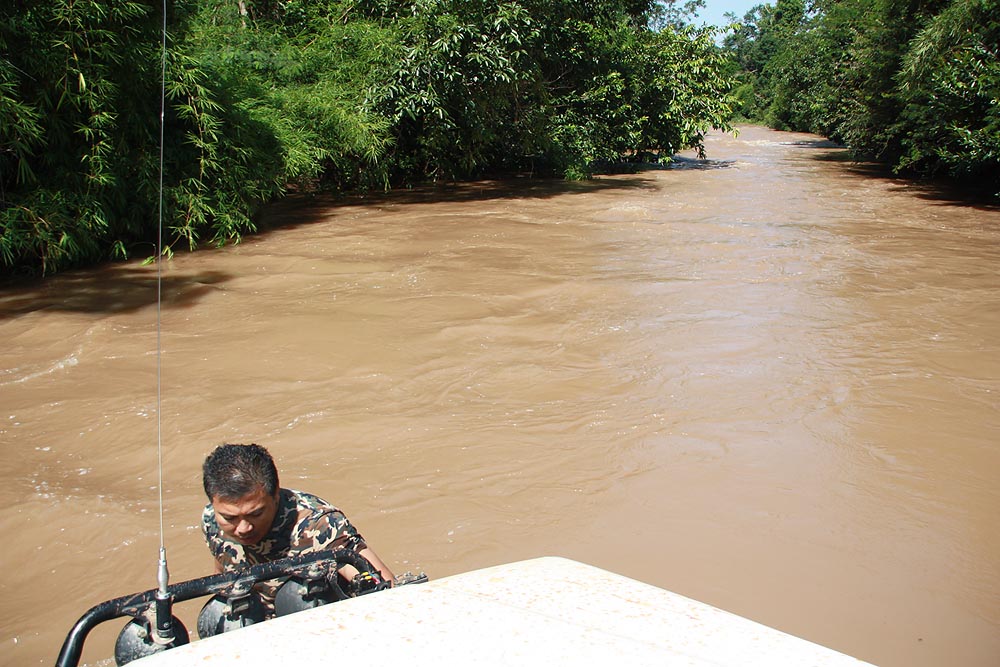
{"x":248,"y":519}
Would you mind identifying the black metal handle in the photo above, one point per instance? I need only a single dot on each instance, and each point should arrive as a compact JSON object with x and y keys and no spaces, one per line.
{"x":134,"y":605}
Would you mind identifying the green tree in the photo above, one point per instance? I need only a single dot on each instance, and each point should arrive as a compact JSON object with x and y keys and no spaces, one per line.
{"x":950,"y":90}
{"x":459,"y":94}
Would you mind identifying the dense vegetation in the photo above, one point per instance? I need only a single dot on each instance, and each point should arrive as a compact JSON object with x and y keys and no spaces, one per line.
{"x":264,"y":96}
{"x":267,"y":96}
{"x":915,"y":83}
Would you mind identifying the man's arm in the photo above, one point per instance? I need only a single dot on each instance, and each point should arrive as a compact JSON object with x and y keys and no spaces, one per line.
{"x":336,"y":532}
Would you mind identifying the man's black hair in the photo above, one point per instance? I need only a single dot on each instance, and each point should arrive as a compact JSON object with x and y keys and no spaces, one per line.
{"x":233,"y":471}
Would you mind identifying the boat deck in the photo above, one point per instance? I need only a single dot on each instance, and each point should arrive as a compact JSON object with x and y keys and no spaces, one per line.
{"x":547,"y":611}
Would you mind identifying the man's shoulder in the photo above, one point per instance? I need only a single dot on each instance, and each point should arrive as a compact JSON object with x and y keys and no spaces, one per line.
{"x":304,"y":501}
{"x":312,"y":523}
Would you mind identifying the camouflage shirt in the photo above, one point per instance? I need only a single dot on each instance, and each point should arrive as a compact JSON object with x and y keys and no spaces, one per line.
{"x":303,"y":523}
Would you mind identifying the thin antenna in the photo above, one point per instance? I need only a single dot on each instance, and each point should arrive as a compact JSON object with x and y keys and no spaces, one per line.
{"x":162,"y":575}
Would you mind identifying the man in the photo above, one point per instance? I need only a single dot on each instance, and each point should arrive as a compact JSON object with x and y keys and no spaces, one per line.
{"x":250,"y":519}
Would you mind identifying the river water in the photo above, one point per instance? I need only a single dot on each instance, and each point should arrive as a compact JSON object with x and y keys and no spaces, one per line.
{"x":769,"y":381}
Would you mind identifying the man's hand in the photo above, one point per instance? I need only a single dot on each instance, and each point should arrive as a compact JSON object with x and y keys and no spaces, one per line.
{"x":377,"y":563}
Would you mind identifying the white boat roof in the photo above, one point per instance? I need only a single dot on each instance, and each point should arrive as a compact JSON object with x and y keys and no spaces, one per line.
{"x":545,"y":611}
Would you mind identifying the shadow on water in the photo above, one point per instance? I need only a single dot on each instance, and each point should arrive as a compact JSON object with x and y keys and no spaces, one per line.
{"x":109,"y":290}
{"x":978,"y":196}
{"x":119,"y":288}
{"x":676,"y":162}
{"x":814,"y":143}
{"x":513,"y":187}
{"x":697,"y":164}
{"x":306,"y":209}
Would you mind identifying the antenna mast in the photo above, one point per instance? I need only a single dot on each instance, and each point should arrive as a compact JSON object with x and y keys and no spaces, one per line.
{"x":162,"y":575}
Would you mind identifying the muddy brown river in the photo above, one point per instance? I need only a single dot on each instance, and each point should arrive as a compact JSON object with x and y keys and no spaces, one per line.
{"x":769,"y":381}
